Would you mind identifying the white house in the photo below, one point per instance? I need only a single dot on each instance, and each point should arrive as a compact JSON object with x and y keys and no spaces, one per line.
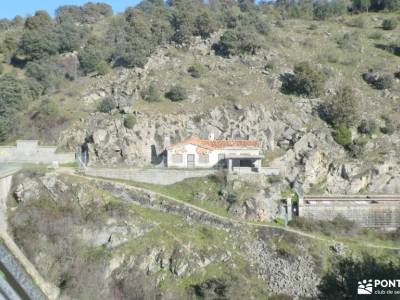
{"x":236,"y":155}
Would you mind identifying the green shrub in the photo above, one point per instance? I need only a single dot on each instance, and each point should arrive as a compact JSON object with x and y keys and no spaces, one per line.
{"x":102,"y":68}
{"x":343,"y":135}
{"x":49,"y":115}
{"x":349,"y":41}
{"x":177,"y":93}
{"x":38,"y":43}
{"x":338,"y":226}
{"x":89,"y":59}
{"x":14,"y":94}
{"x":342,"y":107}
{"x":383,"y":82}
{"x":389,"y":24}
{"x":357,"y":149}
{"x":340,"y":281}
{"x":389,"y":127}
{"x":4,"y":129}
{"x":130,"y":121}
{"x":279,"y":221}
{"x":359,"y":21}
{"x":1,"y":68}
{"x":325,"y":9}
{"x":46,"y":72}
{"x":241,"y":40}
{"x":307,"y":80}
{"x":196,"y":70}
{"x":49,"y":109}
{"x":313,"y":26}
{"x":151,"y":94}
{"x":106,"y":105}
{"x":367,"y":127}
{"x":375,"y":35}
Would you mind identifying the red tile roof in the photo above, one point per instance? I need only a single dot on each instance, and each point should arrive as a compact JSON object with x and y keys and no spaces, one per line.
{"x":220,"y":144}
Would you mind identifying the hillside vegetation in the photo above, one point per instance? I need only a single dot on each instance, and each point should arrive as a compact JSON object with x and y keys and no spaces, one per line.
{"x":93,"y":243}
{"x":314,"y":49}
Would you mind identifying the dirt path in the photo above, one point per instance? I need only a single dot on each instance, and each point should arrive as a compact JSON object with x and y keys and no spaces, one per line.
{"x":199,"y":209}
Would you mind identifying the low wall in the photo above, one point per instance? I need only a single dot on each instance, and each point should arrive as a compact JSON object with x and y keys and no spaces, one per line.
{"x":372,"y":212}
{"x":16,"y":271}
{"x":5,"y":186}
{"x":31,"y":152}
{"x":154,"y":176}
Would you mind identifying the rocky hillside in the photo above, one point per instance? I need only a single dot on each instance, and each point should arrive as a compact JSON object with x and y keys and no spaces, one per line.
{"x":105,"y":240}
{"x":242,"y":97}
{"x":318,"y":83}
{"x":318,"y":86}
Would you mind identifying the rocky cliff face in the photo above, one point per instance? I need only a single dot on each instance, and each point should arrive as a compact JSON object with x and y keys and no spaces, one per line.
{"x":310,"y":159}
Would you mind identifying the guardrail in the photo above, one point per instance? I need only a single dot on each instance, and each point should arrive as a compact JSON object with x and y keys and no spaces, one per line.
{"x":17,"y":278}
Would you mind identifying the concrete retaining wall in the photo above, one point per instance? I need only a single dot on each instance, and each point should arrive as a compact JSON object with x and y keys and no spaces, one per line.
{"x":155,"y":176}
{"x":381,"y":212}
{"x":31,"y":152}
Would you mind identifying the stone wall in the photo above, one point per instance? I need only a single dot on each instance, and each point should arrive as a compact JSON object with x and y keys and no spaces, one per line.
{"x":29,"y":151}
{"x":378,"y":212}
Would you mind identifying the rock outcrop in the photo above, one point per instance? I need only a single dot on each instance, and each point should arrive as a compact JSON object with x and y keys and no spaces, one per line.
{"x":312,"y":160}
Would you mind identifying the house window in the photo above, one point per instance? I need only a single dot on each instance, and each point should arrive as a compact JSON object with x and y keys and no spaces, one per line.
{"x":177,"y":158}
{"x":204,"y":159}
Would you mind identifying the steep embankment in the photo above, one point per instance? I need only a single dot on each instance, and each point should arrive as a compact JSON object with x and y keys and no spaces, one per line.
{"x":107,"y":240}
{"x":69,"y":226}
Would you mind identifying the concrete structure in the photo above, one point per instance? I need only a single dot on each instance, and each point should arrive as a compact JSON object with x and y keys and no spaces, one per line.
{"x":155,"y":176}
{"x":29,"y":151}
{"x":6,"y":174}
{"x":373,"y":211}
{"x":17,"y":284}
{"x":242,"y":156}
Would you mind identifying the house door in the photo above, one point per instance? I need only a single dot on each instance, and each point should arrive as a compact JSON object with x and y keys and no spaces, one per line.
{"x":190,"y":161}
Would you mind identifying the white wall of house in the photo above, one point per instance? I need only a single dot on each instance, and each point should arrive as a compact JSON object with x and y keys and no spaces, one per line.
{"x":178,"y":156}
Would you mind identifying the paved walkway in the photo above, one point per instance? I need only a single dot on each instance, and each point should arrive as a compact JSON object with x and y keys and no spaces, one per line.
{"x":253,"y":224}
{"x":155,"y":176}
